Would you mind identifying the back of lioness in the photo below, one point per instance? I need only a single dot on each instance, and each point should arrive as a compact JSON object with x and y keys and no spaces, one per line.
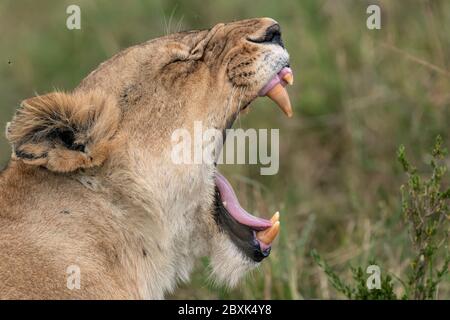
{"x":49,"y":229}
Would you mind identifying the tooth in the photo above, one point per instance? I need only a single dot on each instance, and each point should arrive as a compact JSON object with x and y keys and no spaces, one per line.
{"x":267,"y":236}
{"x":289,"y":78}
{"x":280,"y":96}
{"x":275,"y":218}
{"x":224,"y":203}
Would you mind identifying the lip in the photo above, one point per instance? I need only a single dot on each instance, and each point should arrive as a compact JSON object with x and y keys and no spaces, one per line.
{"x":276,"y":79}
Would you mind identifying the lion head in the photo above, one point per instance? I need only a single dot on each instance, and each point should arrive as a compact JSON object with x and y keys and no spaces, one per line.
{"x":115,"y":130}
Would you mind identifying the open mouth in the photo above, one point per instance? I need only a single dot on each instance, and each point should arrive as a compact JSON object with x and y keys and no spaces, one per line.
{"x":253,"y":235}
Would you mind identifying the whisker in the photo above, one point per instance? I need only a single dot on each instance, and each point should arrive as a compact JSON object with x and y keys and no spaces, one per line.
{"x":230,"y":101}
{"x":180,"y":24}
{"x":239,"y":106}
{"x":171,"y":18}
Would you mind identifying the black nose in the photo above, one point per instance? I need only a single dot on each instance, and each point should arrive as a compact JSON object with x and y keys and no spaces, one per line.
{"x":272,"y":35}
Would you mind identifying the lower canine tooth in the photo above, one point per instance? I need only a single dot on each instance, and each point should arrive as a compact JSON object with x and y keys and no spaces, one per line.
{"x":275,"y":218}
{"x":267,"y":236}
{"x":280,"y":96}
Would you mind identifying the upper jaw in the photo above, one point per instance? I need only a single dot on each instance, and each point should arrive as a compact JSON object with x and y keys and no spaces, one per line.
{"x":274,"y":88}
{"x":273,"y":74}
{"x":282,"y":76}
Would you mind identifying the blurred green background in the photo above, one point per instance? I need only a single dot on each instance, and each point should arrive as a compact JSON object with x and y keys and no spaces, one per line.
{"x":358,"y":95}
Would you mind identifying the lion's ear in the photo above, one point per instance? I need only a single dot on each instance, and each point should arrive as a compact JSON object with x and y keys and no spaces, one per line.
{"x":199,"y":49}
{"x":192,"y":46}
{"x":64,"y":132}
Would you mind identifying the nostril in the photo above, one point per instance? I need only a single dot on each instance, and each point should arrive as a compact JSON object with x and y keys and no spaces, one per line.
{"x":272,"y":35}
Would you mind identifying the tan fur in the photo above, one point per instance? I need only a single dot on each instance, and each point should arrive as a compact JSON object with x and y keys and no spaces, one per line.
{"x":91,"y":182}
{"x":93,"y":117}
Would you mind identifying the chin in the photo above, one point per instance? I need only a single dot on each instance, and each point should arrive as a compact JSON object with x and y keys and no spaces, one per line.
{"x":228,"y":263}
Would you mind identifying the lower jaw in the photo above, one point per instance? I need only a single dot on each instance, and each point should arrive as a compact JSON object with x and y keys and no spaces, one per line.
{"x":241,"y":235}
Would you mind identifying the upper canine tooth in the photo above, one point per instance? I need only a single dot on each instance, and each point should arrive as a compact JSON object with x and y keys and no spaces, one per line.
{"x":280,"y":96}
{"x":289,"y":78}
{"x":275,"y":218}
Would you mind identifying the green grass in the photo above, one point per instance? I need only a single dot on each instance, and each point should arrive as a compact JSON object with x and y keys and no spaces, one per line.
{"x":426,"y":214}
{"x":358,"y":95}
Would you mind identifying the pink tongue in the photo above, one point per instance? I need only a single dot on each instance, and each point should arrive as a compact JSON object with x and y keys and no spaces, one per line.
{"x":228,"y":196}
{"x":278,"y":78}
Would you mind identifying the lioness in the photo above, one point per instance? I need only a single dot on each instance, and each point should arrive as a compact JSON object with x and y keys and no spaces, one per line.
{"x":91,"y":193}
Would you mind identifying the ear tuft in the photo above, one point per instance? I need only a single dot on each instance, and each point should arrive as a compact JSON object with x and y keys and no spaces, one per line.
{"x":64,"y":131}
